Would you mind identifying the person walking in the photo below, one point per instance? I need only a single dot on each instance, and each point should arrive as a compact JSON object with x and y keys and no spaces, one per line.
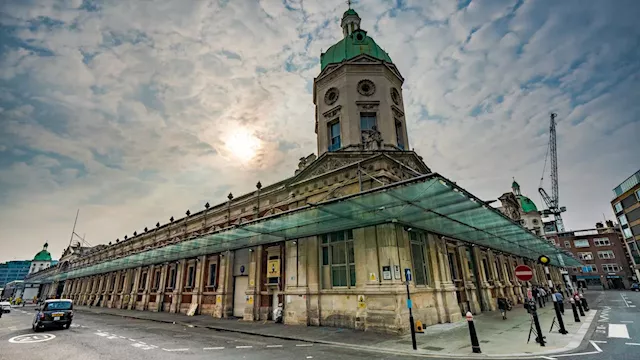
{"x":502,"y":306}
{"x":560,"y":299}
{"x":542,"y":294}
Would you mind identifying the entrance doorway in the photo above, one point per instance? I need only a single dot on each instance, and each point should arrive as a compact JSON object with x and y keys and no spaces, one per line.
{"x":241,"y":283}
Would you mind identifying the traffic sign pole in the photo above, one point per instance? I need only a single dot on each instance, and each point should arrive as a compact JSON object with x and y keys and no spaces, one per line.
{"x":407,"y":276}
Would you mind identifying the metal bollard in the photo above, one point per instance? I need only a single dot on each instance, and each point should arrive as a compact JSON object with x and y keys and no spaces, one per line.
{"x":579,"y":305}
{"x":556,"y":306}
{"x":475,"y":345}
{"x":585,"y":305}
{"x":536,"y":322}
{"x":576,"y":317}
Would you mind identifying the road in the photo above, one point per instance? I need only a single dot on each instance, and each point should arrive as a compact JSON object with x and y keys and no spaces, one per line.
{"x":102,"y":337}
{"x":616,"y":332}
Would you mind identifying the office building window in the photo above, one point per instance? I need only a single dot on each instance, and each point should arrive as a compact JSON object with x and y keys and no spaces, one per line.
{"x":399,"y":134}
{"x":611,"y":268}
{"x":585,"y":256}
{"x":617,"y":207}
{"x":627,"y":233}
{"x":589,"y":269}
{"x":606,"y":254}
{"x":338,"y":260}
{"x":334,"y":135}
{"x":581,"y":243}
{"x":367,"y":122}
{"x":601,"y":242}
{"x":418,"y":248}
{"x":622,"y":219}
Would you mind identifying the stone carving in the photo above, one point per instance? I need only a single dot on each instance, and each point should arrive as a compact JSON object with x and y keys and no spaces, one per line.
{"x":333,"y":112}
{"x":372,"y":139}
{"x":510,"y":206}
{"x":397,"y":112}
{"x":331,"y":96}
{"x":329,"y":165}
{"x":395,"y":96}
{"x":366,"y":87}
{"x":304,"y":162}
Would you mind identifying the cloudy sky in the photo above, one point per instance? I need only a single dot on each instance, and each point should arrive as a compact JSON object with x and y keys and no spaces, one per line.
{"x":135,"y":111}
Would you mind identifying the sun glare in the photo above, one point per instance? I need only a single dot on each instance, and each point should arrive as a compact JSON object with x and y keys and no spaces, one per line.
{"x":242,"y":144}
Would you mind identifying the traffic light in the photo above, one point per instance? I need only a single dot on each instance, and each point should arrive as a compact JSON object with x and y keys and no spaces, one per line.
{"x":544,"y":260}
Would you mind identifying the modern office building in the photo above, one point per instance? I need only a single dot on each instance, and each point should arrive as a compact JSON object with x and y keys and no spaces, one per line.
{"x":626,"y":206}
{"x":13,"y":270}
{"x":334,"y":242}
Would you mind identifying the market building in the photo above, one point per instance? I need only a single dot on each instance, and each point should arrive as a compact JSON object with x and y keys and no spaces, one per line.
{"x":626,"y":206}
{"x":333,"y":242}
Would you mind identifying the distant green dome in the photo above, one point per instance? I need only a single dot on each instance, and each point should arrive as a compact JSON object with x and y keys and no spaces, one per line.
{"x":349,"y":12}
{"x":526,"y":204}
{"x":357,"y":43}
{"x":43,"y":255}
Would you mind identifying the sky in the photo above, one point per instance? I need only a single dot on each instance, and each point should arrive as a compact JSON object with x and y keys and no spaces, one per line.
{"x":135,"y":111}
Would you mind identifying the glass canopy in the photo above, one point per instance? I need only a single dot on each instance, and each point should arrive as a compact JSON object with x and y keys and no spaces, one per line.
{"x":429,"y":202}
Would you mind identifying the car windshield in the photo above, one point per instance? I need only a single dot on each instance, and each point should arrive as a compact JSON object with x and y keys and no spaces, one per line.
{"x":59,"y":305}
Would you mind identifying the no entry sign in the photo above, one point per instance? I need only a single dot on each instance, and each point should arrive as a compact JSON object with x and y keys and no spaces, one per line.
{"x":524,"y":273}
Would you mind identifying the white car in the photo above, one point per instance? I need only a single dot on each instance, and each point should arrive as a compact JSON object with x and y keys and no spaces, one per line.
{"x":5,"y":306}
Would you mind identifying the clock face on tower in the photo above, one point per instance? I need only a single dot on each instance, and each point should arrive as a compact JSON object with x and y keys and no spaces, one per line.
{"x":331,"y":96}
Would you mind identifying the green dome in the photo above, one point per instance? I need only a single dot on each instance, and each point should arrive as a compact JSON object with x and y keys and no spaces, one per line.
{"x":349,"y":12}
{"x":526,"y":204}
{"x":351,"y":46}
{"x":43,"y":255}
{"x":515,"y":185}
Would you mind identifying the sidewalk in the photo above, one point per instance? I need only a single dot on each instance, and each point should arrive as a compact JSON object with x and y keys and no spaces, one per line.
{"x":498,"y":338}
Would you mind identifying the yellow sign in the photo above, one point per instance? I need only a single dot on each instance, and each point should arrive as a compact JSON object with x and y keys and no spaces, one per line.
{"x":273,"y":268}
{"x":218,"y":299}
{"x":361,"y":302}
{"x":250,"y":300}
{"x":372,"y":276}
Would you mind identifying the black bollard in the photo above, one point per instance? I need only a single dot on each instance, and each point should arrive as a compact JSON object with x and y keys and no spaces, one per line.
{"x":576,"y":317}
{"x":585,"y":306}
{"x":579,"y":305}
{"x":556,"y":306}
{"x":536,"y":322}
{"x":475,"y":345}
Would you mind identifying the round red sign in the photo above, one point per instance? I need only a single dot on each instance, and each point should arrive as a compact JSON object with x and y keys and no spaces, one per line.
{"x":524,"y":273}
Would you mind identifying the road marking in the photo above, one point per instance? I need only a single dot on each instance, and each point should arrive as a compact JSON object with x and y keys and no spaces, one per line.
{"x":144,"y":346}
{"x":595,"y":346}
{"x":274,"y":346}
{"x":31,"y":338}
{"x":546,"y":357}
{"x":304,"y":345}
{"x":598,"y":341}
{"x":635,"y":344}
{"x":632,"y":306}
{"x":12,"y":328}
{"x":101,"y":334}
{"x":309,"y":357}
{"x":618,"y":331}
{"x":625,"y":300}
{"x":244,"y":347}
{"x":214,"y":348}
{"x":175,"y":349}
{"x":627,"y":321}
{"x":130,"y":339}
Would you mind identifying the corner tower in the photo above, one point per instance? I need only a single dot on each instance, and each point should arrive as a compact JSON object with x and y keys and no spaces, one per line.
{"x":358,"y":95}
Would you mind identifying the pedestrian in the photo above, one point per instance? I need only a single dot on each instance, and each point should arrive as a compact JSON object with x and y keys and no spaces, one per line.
{"x":541,"y":295}
{"x":560,"y":300}
{"x":502,"y":306}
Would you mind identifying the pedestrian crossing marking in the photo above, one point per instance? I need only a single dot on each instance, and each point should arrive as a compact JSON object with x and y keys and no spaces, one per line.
{"x":618,"y":331}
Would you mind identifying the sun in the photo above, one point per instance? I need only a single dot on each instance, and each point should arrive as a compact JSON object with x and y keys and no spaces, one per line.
{"x":242,"y":144}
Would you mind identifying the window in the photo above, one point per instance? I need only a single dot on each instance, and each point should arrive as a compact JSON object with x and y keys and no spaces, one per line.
{"x":618,"y":207}
{"x":485,"y":267}
{"x":585,"y":256}
{"x":638,"y":195}
{"x":535,"y":221}
{"x":338,"y":260}
{"x":589,"y":269}
{"x":171,"y":280}
{"x":622,"y":219}
{"x":418,"y":247}
{"x":601,"y":242}
{"x":567,"y":244}
{"x":611,"y":268}
{"x":627,"y":233}
{"x":452,"y":266}
{"x":606,"y":254}
{"x":190,"y":276}
{"x":156,"y":284}
{"x":399,"y":135}
{"x":143,"y":281}
{"x":213,"y":272}
{"x":581,"y":243}
{"x":334,"y":136}
{"x":499,"y":271}
{"x":367,"y":122}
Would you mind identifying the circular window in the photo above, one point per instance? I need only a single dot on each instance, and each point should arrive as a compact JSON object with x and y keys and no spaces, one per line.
{"x":395,"y":96}
{"x":331,"y":96}
{"x":360,"y":37}
{"x":366,"y":87}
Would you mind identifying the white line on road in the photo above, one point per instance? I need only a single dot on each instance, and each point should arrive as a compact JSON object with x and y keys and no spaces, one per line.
{"x":244,"y":347}
{"x":625,"y":300}
{"x":636,"y":344}
{"x":274,"y":346}
{"x":304,"y":345}
{"x":546,"y":357}
{"x":598,"y":341}
{"x":175,"y":349}
{"x":632,"y":306}
{"x":214,"y":348}
{"x":618,"y":331}
{"x":627,"y":321}
{"x":130,"y":339}
{"x":595,"y":346}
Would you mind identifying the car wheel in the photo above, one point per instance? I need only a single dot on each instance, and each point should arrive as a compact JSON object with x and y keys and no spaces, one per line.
{"x":37,"y":328}
{"x":67,"y":326}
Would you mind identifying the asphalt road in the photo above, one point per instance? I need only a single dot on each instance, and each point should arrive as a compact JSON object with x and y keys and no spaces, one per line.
{"x":101,"y":337}
{"x":615,"y":333}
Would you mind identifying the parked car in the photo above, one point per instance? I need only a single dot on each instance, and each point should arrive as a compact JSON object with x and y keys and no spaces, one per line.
{"x":54,"y":313}
{"x":5,"y":306}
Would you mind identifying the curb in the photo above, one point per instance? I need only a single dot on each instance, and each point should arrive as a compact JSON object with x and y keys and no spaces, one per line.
{"x":575,"y":342}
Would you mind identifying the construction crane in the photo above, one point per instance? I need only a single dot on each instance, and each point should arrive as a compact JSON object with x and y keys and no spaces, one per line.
{"x":553,"y":205}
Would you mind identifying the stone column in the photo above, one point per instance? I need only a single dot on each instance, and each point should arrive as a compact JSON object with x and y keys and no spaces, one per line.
{"x":507,"y":272}
{"x":469,"y":280}
{"x":486,"y":300}
{"x":196,"y":298}
{"x":445,"y":292}
{"x":161,"y":288}
{"x":147,"y":287}
{"x":252,"y":310}
{"x":176,"y":299}
{"x":137,"y":273}
{"x":128,"y":278}
{"x":224,"y":299}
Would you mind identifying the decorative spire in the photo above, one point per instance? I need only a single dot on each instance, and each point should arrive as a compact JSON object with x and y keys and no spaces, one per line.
{"x":515,"y":187}
{"x":350,"y":21}
{"x":46,"y":245}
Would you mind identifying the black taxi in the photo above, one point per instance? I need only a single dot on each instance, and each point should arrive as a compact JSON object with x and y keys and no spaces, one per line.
{"x":54,"y":313}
